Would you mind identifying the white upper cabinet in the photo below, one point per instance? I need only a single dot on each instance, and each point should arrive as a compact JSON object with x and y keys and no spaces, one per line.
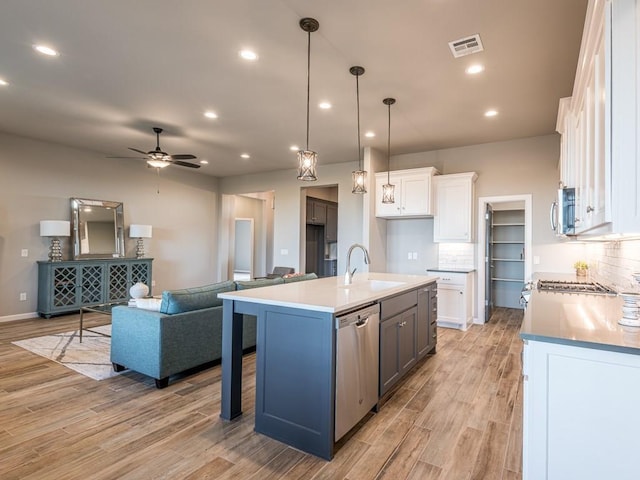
{"x":600,"y":123}
{"x":413,"y":193}
{"x":453,"y":214}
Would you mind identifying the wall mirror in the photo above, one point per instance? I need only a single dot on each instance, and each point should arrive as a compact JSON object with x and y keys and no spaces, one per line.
{"x":97,"y":228}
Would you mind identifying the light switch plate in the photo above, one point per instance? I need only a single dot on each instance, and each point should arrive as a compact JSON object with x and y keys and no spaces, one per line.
{"x":24,"y":252}
{"x":284,"y":251}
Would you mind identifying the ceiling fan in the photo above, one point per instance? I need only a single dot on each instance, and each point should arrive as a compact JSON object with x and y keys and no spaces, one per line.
{"x":160,"y":159}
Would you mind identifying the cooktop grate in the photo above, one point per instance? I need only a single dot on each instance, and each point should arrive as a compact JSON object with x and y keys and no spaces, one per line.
{"x":574,"y":287}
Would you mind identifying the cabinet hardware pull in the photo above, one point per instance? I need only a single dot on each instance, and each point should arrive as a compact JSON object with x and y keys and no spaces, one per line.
{"x":590,"y":209}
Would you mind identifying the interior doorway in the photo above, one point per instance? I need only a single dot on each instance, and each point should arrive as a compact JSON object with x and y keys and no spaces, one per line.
{"x":505,"y":238}
{"x":319,"y":245}
{"x":243,"y":249}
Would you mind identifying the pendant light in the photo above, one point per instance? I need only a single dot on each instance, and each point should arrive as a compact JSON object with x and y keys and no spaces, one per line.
{"x":307,"y":159}
{"x":359,"y":176}
{"x":388,"y":190}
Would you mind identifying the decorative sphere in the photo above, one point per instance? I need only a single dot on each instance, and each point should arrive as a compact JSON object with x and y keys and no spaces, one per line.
{"x":139,"y":290}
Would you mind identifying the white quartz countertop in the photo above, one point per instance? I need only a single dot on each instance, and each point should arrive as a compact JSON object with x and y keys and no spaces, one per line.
{"x":330,"y":294}
{"x":578,"y":319}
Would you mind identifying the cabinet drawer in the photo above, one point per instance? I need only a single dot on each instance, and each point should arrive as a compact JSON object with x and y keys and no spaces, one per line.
{"x":446,"y":278}
{"x":394,"y":305}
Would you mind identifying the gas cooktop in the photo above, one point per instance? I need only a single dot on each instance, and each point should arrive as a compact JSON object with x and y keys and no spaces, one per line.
{"x":574,"y":287}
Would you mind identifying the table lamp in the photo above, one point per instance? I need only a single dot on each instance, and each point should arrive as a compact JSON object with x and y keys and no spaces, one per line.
{"x":55,"y":229}
{"x":140,"y":232}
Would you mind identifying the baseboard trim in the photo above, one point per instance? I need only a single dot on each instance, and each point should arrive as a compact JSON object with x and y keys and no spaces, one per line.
{"x":19,"y":316}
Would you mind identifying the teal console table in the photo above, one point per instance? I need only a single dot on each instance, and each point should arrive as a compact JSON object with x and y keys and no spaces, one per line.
{"x":70,"y":285}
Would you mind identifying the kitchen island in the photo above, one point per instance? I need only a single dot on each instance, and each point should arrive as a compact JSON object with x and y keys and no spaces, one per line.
{"x":581,"y":372}
{"x":296,"y":350}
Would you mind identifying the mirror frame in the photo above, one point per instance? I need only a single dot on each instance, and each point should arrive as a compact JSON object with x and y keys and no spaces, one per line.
{"x":118,"y":230}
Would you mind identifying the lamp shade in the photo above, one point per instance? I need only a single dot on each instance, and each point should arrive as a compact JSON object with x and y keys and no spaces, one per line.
{"x":55,"y":228}
{"x":140,"y":231}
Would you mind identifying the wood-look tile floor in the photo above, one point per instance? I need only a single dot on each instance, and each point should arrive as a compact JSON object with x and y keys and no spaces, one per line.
{"x":458,"y":415}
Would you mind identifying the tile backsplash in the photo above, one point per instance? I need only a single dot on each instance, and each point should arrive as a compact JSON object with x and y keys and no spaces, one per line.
{"x":612,"y":263}
{"x":456,"y":255}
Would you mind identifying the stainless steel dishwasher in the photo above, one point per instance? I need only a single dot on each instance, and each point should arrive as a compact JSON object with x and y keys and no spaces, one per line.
{"x":356,"y":366}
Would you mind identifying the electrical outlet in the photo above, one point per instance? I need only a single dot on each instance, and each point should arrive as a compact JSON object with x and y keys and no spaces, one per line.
{"x":24,"y":252}
{"x":284,"y":251}
{"x":536,"y":260}
{"x":408,"y":255}
{"x":23,"y":296}
{"x":415,"y":255}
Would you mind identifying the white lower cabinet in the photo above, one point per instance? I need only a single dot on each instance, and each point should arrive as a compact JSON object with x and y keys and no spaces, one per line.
{"x":580,"y":418}
{"x":455,"y":290}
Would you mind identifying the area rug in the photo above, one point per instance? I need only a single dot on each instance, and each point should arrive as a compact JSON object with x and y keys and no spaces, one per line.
{"x":90,"y":358}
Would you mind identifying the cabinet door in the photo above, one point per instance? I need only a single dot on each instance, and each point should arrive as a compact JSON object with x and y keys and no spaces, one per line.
{"x":452,"y":220}
{"x":407,"y":340}
{"x":451,"y":303}
{"x":415,"y":193}
{"x":331,"y":227}
{"x":389,"y":361}
{"x":433,"y":315}
{"x":316,"y":212}
{"x":65,"y":287}
{"x":92,"y":280}
{"x":116,"y":285}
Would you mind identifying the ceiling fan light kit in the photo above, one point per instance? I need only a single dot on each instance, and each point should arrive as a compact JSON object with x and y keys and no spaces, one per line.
{"x":308,"y":159}
{"x":359,"y":176}
{"x":388,"y":190}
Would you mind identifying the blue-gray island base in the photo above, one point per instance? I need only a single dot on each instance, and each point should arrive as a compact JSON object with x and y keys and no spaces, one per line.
{"x":296,"y":353}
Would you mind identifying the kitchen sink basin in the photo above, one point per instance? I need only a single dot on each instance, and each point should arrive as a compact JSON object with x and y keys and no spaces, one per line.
{"x":373,"y":284}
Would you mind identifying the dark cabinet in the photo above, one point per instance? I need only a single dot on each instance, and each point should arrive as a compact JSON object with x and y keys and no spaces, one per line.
{"x":67,"y":286}
{"x":316,"y":211}
{"x":426,"y":333}
{"x":398,"y":333}
{"x":331,"y":226}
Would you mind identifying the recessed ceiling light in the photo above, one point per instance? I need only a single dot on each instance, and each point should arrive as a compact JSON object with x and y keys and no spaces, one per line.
{"x":204,"y":162}
{"x":324,"y":105}
{"x":43,"y":49}
{"x":3,"y":82}
{"x":210,"y":114}
{"x":473,"y":69}
{"x":248,"y":55}
{"x":294,"y":148}
{"x":245,"y":155}
{"x":490,"y":113}
{"x":370,"y":134}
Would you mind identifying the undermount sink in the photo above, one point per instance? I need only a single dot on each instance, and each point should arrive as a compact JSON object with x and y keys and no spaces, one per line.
{"x":373,"y":284}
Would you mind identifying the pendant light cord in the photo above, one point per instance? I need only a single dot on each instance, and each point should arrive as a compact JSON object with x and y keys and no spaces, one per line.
{"x":358,"y":108}
{"x":308,"y":82}
{"x":389,"y":146}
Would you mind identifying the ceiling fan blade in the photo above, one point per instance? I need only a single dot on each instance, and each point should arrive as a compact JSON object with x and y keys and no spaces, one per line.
{"x":139,"y":151}
{"x":184,"y":156}
{"x":139,"y":158}
{"x":186,"y":164}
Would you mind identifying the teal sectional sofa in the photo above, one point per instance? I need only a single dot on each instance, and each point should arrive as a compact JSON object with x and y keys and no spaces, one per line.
{"x":185,"y":333}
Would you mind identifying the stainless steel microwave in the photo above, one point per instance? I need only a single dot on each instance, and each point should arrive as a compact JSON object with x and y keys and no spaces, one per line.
{"x":563,"y":212}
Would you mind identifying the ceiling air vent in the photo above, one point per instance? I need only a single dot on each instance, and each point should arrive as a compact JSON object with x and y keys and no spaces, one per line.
{"x":466,"y":46}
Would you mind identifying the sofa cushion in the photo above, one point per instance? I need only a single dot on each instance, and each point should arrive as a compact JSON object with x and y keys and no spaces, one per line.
{"x":188,"y":299}
{"x":299,"y":277}
{"x":262,"y":282}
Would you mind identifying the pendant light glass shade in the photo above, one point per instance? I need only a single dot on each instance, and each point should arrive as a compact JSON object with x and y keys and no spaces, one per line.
{"x":359,"y":181}
{"x":388,"y":190}
{"x":359,"y":176}
{"x":388,"y":193}
{"x":308,"y":159}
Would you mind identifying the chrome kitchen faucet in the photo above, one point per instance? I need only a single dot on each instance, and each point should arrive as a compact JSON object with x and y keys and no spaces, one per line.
{"x":348,"y":276}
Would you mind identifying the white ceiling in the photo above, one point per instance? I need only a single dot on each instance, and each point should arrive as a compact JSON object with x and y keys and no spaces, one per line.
{"x":126,"y":66}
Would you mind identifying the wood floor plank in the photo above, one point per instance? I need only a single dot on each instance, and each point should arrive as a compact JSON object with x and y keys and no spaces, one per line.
{"x":457,"y":416}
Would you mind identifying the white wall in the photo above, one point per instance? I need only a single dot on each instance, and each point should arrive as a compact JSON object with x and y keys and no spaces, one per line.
{"x":38,"y":178}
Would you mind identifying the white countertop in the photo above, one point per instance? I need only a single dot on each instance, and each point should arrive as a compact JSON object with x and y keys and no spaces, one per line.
{"x":330,"y":294}
{"x":582,"y":320}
